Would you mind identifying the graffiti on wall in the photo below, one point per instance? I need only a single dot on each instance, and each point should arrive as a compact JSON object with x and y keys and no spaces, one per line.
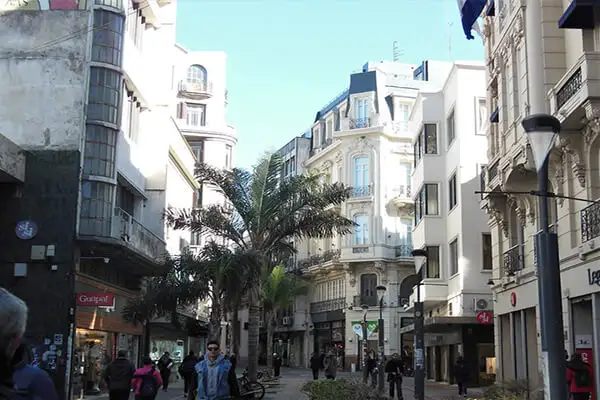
{"x":42,"y":5}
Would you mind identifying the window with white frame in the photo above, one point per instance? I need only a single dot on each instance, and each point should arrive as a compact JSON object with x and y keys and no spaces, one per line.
{"x":195,"y":114}
{"x":360,"y":181}
{"x":453,"y":257}
{"x":450,"y":128}
{"x":361,"y":230}
{"x":482,"y":116}
{"x":426,"y":142}
{"x":402,"y":116}
{"x":452,"y":193}
{"x":197,"y":75}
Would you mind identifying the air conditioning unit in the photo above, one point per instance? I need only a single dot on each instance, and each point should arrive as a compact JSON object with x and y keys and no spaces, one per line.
{"x":287,"y":321}
{"x":481,"y":304}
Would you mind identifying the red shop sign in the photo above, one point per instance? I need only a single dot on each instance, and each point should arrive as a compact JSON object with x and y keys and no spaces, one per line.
{"x":95,"y":299}
{"x":485,"y":318}
{"x":513,"y":299}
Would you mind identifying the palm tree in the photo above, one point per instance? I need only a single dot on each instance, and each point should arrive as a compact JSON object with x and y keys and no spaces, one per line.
{"x":279,"y":293}
{"x":190,"y":278}
{"x":265,"y":215}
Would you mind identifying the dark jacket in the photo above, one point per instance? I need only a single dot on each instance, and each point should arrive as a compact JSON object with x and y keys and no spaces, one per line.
{"x":371,"y":365}
{"x":164,"y":364}
{"x":232,"y":381}
{"x":118,"y":374}
{"x":394,"y":367}
{"x":187,"y":365}
{"x":461,"y":372}
{"x":277,"y":361}
{"x":6,"y":372}
{"x":316,"y":362}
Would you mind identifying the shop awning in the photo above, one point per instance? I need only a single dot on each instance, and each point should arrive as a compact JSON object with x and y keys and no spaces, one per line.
{"x":579,"y":15}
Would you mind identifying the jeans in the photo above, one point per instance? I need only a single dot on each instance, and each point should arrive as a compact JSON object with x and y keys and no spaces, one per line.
{"x":374,"y":376}
{"x":395,"y":383}
{"x":187,"y":381}
{"x":462,"y":388}
{"x":118,"y":394}
{"x":165,"y":375}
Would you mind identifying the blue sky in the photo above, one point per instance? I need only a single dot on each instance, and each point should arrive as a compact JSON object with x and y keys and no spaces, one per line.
{"x":288,"y":58}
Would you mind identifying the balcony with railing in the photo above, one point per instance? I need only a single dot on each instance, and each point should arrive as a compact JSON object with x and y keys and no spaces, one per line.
{"x":513,"y":260}
{"x":321,"y":147}
{"x":401,"y":197}
{"x":578,"y":85}
{"x":198,"y":90}
{"x":590,"y":222}
{"x":319,"y":259}
{"x":403,"y":251}
{"x":137,"y":237}
{"x":362,"y":191}
{"x":328,"y":305}
{"x":360,"y":123}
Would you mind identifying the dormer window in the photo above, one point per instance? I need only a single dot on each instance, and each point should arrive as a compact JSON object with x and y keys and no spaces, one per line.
{"x":197,"y":75}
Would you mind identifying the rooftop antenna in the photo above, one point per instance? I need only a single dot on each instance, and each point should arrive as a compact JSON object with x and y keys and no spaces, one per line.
{"x":450,"y":23}
{"x":397,"y":52}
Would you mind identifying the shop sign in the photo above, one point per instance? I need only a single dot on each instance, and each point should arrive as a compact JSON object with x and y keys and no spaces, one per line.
{"x":513,"y":299}
{"x":485,"y":318}
{"x":358,"y":330}
{"x":95,"y":299}
{"x":594,"y":277}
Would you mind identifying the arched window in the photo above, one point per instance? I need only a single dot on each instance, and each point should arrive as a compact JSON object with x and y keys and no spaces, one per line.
{"x":196,"y":74}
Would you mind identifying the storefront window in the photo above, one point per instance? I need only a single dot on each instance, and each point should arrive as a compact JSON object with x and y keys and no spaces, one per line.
{"x":129,"y":344}
{"x":93,"y":353}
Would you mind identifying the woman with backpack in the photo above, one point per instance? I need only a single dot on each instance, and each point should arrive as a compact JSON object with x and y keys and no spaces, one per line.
{"x":579,"y":378}
{"x":146,"y":381}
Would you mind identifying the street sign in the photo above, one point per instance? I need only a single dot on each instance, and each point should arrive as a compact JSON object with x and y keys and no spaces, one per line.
{"x":485,"y":318}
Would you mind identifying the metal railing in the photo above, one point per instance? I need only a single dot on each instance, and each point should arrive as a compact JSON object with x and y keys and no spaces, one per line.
{"x":358,"y":123}
{"x":329,"y":255}
{"x":328,"y":305}
{"x":568,"y":90}
{"x":590,"y":222}
{"x":403,"y":250}
{"x":513,"y":260}
{"x":402,"y":191}
{"x":196,"y":86}
{"x":357,"y":249}
{"x":131,"y":231}
{"x":362,"y":191}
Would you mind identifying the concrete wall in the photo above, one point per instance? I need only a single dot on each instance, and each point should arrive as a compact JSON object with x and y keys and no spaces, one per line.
{"x":31,"y":72}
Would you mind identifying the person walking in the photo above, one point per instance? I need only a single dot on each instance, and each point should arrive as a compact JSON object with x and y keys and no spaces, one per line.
{"x":186,"y":370}
{"x":579,"y":378}
{"x":164,"y":366}
{"x":146,"y":381}
{"x":32,"y":380}
{"x":372,"y":368}
{"x":395,"y":369}
{"x":461,"y":375}
{"x":315,"y":365}
{"x":214,"y":377}
{"x":330,"y":366}
{"x":276,"y":365}
{"x":118,"y":376}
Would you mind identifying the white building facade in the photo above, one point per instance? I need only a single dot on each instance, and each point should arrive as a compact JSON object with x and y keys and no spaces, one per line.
{"x":200,"y":110}
{"x":517,"y":38}
{"x":449,"y":126}
{"x":361,"y":139}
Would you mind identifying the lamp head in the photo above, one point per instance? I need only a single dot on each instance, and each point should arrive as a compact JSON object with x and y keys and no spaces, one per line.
{"x":364,"y":307}
{"x":490,"y":283}
{"x":541,"y":130}
{"x":381,"y":291}
{"x":419,"y":258}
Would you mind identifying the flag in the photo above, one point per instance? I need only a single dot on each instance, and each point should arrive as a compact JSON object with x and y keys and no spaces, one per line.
{"x":470,"y":10}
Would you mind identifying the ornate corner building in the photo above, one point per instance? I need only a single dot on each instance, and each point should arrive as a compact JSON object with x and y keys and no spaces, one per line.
{"x":543,"y":55}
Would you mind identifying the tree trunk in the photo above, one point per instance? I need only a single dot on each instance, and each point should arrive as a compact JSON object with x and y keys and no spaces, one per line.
{"x":214,"y":327}
{"x":253,"y":331}
{"x":270,"y":321}
{"x":235,"y":331}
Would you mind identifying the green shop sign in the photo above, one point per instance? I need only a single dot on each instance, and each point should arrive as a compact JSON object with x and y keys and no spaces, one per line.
{"x":358,"y":328}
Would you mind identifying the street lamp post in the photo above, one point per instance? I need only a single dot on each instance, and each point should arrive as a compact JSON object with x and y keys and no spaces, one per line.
{"x":542,"y":130}
{"x":380,"y":292}
{"x":420,"y":258}
{"x":365,"y":347}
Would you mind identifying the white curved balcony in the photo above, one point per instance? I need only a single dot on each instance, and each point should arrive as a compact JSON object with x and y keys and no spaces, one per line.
{"x":198,"y":90}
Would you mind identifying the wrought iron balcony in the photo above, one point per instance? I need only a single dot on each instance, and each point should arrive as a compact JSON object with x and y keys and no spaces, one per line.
{"x":326,"y":256}
{"x":362,"y":191}
{"x":328,"y":305}
{"x":513,"y":260}
{"x":196,"y":89}
{"x":568,"y":90}
{"x":590,"y":222}
{"x":404,"y":250}
{"x":358,"y":123}
{"x":136,"y":236}
{"x":358,"y":249}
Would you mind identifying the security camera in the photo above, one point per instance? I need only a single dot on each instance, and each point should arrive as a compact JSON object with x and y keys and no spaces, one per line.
{"x":106,"y":260}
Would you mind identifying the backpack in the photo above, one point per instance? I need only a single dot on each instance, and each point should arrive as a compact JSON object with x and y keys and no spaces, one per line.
{"x":149,"y":385}
{"x":583,"y":378}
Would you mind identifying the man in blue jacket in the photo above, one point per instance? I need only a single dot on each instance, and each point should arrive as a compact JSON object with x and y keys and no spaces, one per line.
{"x":214,"y":377}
